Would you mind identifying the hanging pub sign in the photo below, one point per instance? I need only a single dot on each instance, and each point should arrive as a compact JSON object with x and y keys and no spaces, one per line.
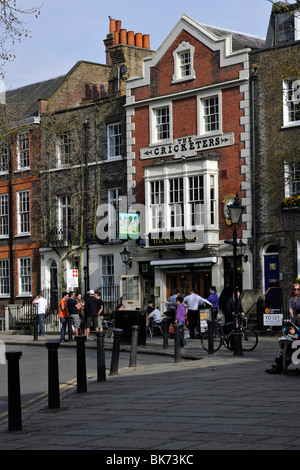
{"x":187,"y":146}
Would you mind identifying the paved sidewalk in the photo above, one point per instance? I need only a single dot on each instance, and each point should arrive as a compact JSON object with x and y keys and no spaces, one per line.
{"x":204,"y":402}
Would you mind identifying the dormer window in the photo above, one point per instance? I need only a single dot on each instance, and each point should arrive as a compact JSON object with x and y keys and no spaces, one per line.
{"x":183,"y":63}
{"x":287,"y":27}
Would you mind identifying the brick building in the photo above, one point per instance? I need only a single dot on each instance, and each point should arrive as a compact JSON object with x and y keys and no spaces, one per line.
{"x":19,"y":194}
{"x":188,"y":154}
{"x":276,"y":158}
{"x":67,"y":174}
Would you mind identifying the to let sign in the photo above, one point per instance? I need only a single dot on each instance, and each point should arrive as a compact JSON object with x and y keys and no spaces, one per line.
{"x":273,"y":318}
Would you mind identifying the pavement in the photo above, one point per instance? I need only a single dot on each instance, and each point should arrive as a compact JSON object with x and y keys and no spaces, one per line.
{"x":205,"y":401}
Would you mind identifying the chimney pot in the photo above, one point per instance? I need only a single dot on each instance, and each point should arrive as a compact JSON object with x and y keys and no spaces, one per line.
{"x":118,"y":25}
{"x":146,"y":41}
{"x":112,"y":26}
{"x":123,"y":36}
{"x":130,"y":38}
{"x":139,"y":40}
{"x":116,"y":37}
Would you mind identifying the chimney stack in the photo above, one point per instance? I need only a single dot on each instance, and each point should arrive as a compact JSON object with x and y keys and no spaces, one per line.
{"x":121,"y":36}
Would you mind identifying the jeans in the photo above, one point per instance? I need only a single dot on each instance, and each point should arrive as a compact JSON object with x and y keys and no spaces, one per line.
{"x":41,"y":320}
{"x":63,"y":322}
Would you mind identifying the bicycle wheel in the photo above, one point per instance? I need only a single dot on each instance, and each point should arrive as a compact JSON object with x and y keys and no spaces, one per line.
{"x":217,"y":341}
{"x":249,"y":339}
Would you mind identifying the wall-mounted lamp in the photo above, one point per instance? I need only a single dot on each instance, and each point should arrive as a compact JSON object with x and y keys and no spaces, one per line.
{"x":126,"y":257}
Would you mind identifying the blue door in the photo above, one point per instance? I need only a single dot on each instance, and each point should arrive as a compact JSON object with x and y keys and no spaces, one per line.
{"x":272,"y":287}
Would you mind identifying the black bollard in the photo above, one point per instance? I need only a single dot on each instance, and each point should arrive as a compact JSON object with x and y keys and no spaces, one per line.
{"x":69,"y":328}
{"x":177,"y":352}
{"x":101,"y":372}
{"x":210,"y":332}
{"x":53,"y":380}
{"x":134,"y":342}
{"x":81,"y":364}
{"x":115,"y":352}
{"x":166,"y":333}
{"x":35,"y":328}
{"x":14,"y":394}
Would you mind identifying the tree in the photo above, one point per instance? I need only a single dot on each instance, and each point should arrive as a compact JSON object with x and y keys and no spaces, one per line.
{"x":12,"y":28}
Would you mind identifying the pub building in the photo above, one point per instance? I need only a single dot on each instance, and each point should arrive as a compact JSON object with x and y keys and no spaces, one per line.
{"x":188,"y":155}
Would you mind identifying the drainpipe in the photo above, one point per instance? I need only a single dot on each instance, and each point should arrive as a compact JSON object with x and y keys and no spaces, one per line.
{"x":253,"y":78}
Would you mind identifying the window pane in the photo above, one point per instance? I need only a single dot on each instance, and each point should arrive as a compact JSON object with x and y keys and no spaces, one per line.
{"x":4,"y":277}
{"x":3,"y":215}
{"x":24,"y":212}
{"x":114,"y":140}
{"x":25,"y":275}
{"x":185,"y":64}
{"x":211,"y":114}
{"x":23,"y":151}
{"x":162,"y":123}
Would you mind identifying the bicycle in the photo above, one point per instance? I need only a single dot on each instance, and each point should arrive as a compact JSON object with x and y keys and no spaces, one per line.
{"x":249,"y":337}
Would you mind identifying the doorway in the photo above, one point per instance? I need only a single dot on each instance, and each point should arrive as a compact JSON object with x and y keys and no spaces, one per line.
{"x":199,"y":281}
{"x":271,"y":277}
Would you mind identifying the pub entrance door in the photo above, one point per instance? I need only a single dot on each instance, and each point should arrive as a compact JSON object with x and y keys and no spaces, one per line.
{"x":184,"y":281}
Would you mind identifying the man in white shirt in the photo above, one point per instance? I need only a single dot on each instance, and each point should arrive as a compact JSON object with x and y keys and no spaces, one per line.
{"x":192,"y":302}
{"x":42,"y":306}
{"x":153,"y":314}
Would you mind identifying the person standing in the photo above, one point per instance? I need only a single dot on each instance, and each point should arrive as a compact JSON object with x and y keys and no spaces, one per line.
{"x":42,"y":306}
{"x":73,"y":309}
{"x":63,"y":315}
{"x":93,"y":308}
{"x":192,"y":302}
{"x":294,"y":304}
{"x":213,"y":298}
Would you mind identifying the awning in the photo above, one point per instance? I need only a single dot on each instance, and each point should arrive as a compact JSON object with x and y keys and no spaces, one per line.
{"x":183,"y":263}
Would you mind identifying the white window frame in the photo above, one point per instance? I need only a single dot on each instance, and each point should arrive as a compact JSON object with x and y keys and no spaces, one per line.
{"x":113,"y":214}
{"x":181,"y":212}
{"x":3,"y":159}
{"x":107,"y":270}
{"x":182,"y":49}
{"x":23,"y":151}
{"x":4,"y":278}
{"x":154,"y":125}
{"x":25,"y":276}
{"x":63,"y":148}
{"x":64,"y":217}
{"x":201,"y":99}
{"x":114,"y":141}
{"x":288,"y":103}
{"x":23,"y":212}
{"x":4,"y":216}
{"x":290,"y":178}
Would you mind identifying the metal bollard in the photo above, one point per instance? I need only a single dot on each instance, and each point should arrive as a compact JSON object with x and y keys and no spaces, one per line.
{"x":134,"y":342}
{"x":115,"y":352}
{"x":177,"y":352}
{"x":166,"y":333}
{"x":14,"y":394}
{"x":81,"y":364}
{"x":210,"y":332}
{"x":101,"y":373}
{"x":35,"y":328}
{"x":53,"y":380}
{"x":69,"y":328}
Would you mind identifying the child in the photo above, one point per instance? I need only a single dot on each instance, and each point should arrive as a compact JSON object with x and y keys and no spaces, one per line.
{"x":180,"y":318}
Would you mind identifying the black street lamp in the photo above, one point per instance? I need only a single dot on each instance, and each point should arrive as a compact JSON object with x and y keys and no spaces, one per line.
{"x":235,"y":212}
{"x":126,"y":257}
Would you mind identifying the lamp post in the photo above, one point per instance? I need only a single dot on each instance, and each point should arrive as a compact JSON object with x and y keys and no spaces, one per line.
{"x":235,"y":211}
{"x":126,"y":257}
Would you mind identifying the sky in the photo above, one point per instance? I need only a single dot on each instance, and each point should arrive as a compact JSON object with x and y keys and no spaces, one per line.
{"x":68,"y":31}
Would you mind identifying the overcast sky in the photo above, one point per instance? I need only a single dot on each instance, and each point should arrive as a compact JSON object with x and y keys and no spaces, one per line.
{"x":71,"y":30}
